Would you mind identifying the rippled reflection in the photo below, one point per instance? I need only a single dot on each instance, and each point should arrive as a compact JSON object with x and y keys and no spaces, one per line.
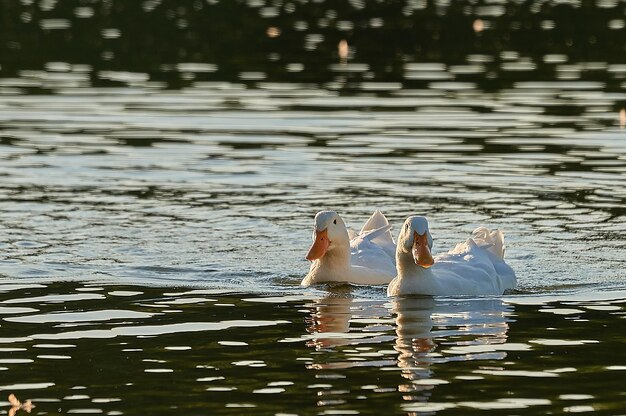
{"x":469,"y":330}
{"x":414,"y":341}
{"x":436,"y":353}
{"x":345,"y":349}
{"x":330,"y":320}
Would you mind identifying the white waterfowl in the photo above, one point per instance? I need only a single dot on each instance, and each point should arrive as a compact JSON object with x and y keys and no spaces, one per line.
{"x":366,"y":258}
{"x":475,"y":267}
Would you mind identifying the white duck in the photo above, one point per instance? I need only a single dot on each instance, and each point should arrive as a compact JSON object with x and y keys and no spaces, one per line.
{"x":366,"y":258}
{"x":475,"y":267}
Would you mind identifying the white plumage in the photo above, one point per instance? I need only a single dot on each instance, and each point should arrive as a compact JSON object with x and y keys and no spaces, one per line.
{"x":474,"y":267}
{"x":363,"y":258}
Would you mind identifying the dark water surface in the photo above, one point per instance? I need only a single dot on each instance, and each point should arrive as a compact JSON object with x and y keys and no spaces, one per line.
{"x":90,"y":349}
{"x":161,"y":163}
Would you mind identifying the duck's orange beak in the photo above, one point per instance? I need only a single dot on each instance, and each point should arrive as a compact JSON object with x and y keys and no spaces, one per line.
{"x":421,"y":251}
{"x":320,"y":245}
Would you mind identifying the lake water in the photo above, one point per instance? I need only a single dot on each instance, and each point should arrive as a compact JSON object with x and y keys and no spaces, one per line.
{"x":161,"y":164}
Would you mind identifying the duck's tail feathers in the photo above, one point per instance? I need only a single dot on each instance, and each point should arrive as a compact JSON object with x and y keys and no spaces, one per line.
{"x":492,"y":241}
{"x":383,"y":238}
{"x":374,"y":222}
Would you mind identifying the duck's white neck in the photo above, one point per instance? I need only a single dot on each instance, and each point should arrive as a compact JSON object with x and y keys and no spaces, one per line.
{"x":407,"y":269}
{"x":334,"y":266}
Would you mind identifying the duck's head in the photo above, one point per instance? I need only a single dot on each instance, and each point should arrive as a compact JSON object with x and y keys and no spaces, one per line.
{"x":329,"y":233}
{"x":415,"y":239}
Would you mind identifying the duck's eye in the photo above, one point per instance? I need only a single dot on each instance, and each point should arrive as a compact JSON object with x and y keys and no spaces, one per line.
{"x":334,"y":221}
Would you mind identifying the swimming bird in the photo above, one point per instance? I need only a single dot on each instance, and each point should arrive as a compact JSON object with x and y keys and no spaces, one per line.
{"x":474,"y":267}
{"x":366,"y":258}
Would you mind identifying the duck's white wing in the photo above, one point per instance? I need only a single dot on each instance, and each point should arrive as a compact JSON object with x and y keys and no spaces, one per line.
{"x":366,"y":253}
{"x":493,"y":242}
{"x":362,"y":275}
{"x":374,"y":235}
{"x":471,"y":268}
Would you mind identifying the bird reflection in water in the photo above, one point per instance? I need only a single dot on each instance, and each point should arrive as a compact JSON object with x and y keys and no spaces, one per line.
{"x":330,"y":329}
{"x":431,"y":332}
{"x":330,"y":317}
{"x":414,"y":341}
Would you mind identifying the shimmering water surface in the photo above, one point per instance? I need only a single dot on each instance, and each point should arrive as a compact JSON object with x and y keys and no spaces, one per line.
{"x":161,"y":163}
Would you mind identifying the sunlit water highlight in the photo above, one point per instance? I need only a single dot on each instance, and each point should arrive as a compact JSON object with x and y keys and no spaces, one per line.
{"x":162,"y":186}
{"x":154,"y":188}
